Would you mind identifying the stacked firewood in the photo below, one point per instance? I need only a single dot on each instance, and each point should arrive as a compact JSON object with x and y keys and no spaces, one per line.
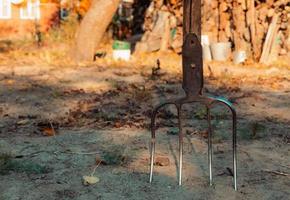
{"x":162,"y":26}
{"x":259,"y":27}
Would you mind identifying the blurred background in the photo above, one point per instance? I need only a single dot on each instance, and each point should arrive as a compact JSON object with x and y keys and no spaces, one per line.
{"x":239,"y":31}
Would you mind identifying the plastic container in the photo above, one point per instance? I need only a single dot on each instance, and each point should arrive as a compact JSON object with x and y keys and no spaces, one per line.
{"x":121,"y":50}
{"x":239,"y":57}
{"x":205,"y":40}
{"x":16,"y":1}
{"x":206,"y":53}
{"x":221,"y":51}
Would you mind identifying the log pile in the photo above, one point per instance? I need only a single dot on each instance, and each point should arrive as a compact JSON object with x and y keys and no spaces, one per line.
{"x":259,"y":27}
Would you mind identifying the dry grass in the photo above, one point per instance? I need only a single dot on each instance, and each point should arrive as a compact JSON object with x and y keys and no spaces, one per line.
{"x":53,"y":50}
{"x":57,"y":45}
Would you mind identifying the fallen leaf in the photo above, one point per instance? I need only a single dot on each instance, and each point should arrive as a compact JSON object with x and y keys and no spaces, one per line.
{"x":90,"y":180}
{"x":48,"y":131}
{"x":117,"y":125}
{"x":48,"y":128}
{"x":99,"y":160}
{"x":22,"y":122}
{"x":162,"y":161}
{"x":204,"y":134}
{"x":9,"y":82}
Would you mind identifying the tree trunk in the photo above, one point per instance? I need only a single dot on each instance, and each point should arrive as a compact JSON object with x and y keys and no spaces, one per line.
{"x":92,"y":28}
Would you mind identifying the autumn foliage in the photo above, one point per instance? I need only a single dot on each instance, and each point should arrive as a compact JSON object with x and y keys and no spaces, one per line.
{"x":83,"y":7}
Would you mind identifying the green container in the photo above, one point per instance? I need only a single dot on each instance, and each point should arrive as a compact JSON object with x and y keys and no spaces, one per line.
{"x":121,"y":45}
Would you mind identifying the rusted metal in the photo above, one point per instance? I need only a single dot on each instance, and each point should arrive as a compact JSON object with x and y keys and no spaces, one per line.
{"x":193,"y":85}
{"x":192,"y":65}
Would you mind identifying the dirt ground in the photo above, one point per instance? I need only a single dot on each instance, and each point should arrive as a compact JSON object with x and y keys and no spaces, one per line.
{"x":56,"y":121}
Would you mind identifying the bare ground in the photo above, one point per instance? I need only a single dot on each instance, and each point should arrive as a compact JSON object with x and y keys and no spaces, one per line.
{"x":56,"y":121}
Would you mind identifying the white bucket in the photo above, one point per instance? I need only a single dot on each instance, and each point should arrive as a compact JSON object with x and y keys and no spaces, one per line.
{"x":16,"y":1}
{"x":206,"y":53}
{"x":221,"y":51}
{"x":204,"y":40}
{"x":122,"y":54}
{"x":239,"y":57}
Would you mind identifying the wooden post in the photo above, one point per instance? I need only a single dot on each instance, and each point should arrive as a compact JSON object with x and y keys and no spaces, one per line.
{"x":271,"y":34}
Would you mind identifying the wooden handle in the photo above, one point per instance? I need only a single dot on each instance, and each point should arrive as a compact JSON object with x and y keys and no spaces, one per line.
{"x":192,"y":17}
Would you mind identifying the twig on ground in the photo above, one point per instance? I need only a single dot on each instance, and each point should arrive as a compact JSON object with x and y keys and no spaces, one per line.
{"x":79,"y":153}
{"x":94,"y":170}
{"x":31,"y":154}
{"x":277,"y":172}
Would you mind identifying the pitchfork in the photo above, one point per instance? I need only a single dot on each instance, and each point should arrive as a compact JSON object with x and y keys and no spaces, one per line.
{"x":192,"y":65}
